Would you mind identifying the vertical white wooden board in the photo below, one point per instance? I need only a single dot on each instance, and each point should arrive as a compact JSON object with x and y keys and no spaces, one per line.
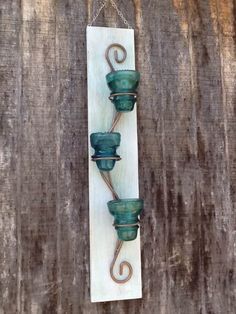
{"x":124,"y":175}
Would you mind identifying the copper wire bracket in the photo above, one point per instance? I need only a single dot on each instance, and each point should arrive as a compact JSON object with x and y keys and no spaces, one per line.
{"x":107,"y":180}
{"x":105,"y":158}
{"x":115,"y":121}
{"x":127,"y":225}
{"x":111,"y":97}
{"x":106,"y":175}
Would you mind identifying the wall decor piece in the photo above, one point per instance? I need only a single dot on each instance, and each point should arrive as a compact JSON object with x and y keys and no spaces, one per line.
{"x":114,"y":203}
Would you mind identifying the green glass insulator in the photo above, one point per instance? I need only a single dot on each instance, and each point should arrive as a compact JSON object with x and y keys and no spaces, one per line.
{"x":126,"y":212}
{"x":125,"y":83}
{"x":105,"y":145}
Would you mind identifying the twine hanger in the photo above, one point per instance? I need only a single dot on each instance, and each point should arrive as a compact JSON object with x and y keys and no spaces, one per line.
{"x":103,"y":5}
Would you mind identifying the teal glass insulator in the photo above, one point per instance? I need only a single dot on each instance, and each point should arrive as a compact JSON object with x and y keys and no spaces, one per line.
{"x":105,"y":145}
{"x":126,"y":212}
{"x":123,"y":85}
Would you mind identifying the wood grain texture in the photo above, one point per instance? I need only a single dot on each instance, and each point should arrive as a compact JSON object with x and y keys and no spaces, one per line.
{"x":10,"y":90}
{"x":186,"y":53}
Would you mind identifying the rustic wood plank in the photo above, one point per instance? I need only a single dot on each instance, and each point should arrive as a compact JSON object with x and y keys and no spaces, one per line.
{"x":227,"y":34}
{"x":213,"y":185}
{"x":10,"y":91}
{"x":40,"y":284}
{"x":72,"y":179}
{"x":100,"y":115}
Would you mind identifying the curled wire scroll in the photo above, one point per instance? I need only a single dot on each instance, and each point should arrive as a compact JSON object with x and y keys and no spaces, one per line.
{"x":122,"y":264}
{"x":116,"y":57}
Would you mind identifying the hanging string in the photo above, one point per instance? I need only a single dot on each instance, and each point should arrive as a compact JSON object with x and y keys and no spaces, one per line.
{"x":114,"y":5}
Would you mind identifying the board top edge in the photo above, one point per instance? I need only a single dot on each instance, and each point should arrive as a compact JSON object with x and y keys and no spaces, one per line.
{"x":112,"y":28}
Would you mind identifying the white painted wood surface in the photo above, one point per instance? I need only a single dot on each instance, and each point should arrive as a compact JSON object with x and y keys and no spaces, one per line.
{"x":124,"y":175}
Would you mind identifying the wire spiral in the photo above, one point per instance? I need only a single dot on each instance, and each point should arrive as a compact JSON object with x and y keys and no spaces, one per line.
{"x":116,"y":57}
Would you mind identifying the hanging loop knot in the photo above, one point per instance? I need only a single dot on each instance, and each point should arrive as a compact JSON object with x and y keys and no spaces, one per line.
{"x":114,"y":5}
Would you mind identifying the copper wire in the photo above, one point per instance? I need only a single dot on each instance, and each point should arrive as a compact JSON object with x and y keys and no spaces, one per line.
{"x":115,"y":121}
{"x":127,"y":225}
{"x":122,"y":94}
{"x":107,"y":178}
{"x":94,"y":158}
{"x":122,"y":264}
{"x":116,"y":57}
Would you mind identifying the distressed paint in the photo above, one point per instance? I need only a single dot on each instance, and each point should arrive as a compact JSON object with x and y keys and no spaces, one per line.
{"x":124,"y":175}
{"x":186,"y":119}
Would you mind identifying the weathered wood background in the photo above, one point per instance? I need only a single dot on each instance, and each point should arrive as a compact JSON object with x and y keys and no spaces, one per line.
{"x":186,"y":52}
